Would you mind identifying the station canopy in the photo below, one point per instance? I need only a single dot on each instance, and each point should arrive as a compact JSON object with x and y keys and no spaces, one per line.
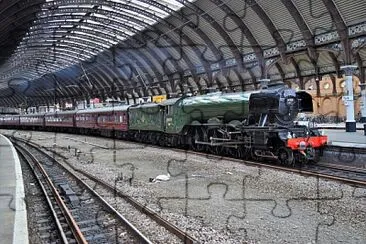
{"x":62,"y":50}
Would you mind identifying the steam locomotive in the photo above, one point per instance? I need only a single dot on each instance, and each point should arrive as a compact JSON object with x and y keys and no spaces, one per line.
{"x":256,"y":124}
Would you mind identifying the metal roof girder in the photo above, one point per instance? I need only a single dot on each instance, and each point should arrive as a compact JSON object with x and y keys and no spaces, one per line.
{"x":234,"y":49}
{"x":341,"y":28}
{"x":78,"y":35}
{"x":246,"y":31}
{"x":58,"y":33}
{"x":70,"y":47}
{"x":303,"y":26}
{"x":118,"y":24}
{"x":58,"y":26}
{"x":280,"y":43}
{"x":107,"y":3}
{"x":137,"y":54}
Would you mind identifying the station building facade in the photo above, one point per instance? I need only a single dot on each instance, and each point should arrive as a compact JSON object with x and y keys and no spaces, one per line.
{"x":327,"y":96}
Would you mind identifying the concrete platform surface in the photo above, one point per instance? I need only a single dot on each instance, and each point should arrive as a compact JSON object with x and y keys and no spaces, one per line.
{"x":13,"y":213}
{"x":338,"y":125}
{"x":345,"y":139}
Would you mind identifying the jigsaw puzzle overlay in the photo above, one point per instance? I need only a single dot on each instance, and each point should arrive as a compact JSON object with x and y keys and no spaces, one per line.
{"x":250,"y":203}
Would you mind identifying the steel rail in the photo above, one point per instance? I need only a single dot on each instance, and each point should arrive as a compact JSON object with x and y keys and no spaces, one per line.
{"x":139,"y":235}
{"x":342,"y":167}
{"x":184,"y":236}
{"x":79,"y":237}
{"x":300,"y":171}
{"x":49,"y":203}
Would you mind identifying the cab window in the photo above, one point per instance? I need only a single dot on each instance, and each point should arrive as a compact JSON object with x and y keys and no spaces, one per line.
{"x":170,"y":110}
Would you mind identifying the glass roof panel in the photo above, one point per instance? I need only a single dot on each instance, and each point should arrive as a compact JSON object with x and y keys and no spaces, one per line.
{"x":65,"y":28}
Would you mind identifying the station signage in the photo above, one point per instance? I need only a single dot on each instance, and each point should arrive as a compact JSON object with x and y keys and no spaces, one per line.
{"x":347,"y":98}
{"x":159,"y":99}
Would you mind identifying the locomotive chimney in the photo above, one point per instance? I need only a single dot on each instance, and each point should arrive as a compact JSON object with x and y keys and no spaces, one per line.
{"x":264,"y":83}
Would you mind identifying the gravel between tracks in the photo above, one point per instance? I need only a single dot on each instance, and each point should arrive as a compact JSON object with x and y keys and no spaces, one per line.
{"x":219,"y":201}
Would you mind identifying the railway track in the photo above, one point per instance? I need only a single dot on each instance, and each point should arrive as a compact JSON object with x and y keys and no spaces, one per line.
{"x":44,"y":205}
{"x":104,"y":188}
{"x":340,"y":171}
{"x":331,"y":148}
{"x":81,"y":215}
{"x":327,"y":171}
{"x":348,"y":175}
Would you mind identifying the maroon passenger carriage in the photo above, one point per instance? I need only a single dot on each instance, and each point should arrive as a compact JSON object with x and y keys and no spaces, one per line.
{"x":9,"y":121}
{"x":103,"y":121}
{"x":63,"y":121}
{"x":32,"y":121}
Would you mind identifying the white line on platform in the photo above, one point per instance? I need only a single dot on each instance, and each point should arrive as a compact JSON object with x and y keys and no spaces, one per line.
{"x":347,"y":144}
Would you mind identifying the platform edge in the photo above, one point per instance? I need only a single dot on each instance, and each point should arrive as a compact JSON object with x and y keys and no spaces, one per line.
{"x":20,"y":233}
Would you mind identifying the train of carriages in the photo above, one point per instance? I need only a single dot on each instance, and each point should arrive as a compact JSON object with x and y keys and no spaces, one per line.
{"x":256,"y":124}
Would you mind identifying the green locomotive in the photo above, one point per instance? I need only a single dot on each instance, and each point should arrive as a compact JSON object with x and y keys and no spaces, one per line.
{"x":256,"y":123}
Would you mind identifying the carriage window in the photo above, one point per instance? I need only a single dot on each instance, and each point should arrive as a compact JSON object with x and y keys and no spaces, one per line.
{"x":170,"y":110}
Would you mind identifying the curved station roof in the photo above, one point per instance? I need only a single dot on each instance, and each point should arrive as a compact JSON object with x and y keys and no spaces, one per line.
{"x":57,"y":50}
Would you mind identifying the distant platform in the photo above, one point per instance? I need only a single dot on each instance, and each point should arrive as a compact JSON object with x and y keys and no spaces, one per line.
{"x":337,"y":126}
{"x":345,"y":139}
{"x":13,"y":215}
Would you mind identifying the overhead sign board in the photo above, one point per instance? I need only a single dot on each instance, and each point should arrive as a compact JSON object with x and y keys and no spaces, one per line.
{"x":144,"y":99}
{"x":159,"y":99}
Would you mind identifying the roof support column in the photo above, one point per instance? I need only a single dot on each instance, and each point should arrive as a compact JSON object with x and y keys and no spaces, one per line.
{"x":264,"y":83}
{"x":134,"y":98}
{"x":301,"y":83}
{"x":349,"y":99}
{"x":363,"y":103}
{"x":334,"y":84}
{"x":362,"y":78}
{"x":317,"y":83}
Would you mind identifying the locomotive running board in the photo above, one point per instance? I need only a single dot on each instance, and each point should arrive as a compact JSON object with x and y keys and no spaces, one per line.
{"x":218,"y":143}
{"x":265,"y":156}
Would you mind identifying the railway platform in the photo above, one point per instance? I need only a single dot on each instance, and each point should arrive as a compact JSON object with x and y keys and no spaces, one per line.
{"x":13,"y":213}
{"x":342,"y":138}
{"x":338,"y":126}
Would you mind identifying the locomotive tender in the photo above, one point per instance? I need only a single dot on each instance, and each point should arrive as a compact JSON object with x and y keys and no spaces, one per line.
{"x":255,"y":124}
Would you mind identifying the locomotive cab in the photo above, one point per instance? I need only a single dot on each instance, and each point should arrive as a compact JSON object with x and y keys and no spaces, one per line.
{"x":273,"y":106}
{"x":305,"y":101}
{"x":278,"y":105}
